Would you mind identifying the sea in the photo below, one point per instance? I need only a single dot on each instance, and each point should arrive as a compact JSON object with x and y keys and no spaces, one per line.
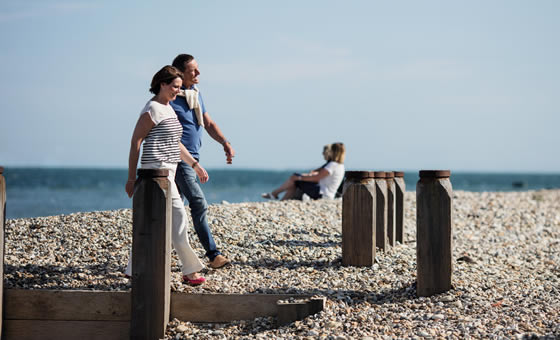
{"x":34,"y":192}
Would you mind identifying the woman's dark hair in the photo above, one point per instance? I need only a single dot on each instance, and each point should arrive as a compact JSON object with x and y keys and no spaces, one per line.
{"x":180,"y":61}
{"x":166,"y":75}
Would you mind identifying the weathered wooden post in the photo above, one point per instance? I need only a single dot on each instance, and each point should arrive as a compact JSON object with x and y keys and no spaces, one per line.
{"x":399,"y":206}
{"x":2,"y":228}
{"x":391,"y":208}
{"x":358,"y":219}
{"x":434,"y":232}
{"x":151,"y":248}
{"x":381,"y":240}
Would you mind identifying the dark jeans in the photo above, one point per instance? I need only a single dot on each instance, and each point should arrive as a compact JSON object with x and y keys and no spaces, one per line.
{"x":188,"y":185}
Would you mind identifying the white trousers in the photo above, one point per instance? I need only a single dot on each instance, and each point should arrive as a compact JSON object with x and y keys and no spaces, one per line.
{"x":190,"y":263}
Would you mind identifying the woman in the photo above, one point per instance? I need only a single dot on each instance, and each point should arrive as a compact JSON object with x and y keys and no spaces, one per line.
{"x":160,"y":131}
{"x":319,"y":183}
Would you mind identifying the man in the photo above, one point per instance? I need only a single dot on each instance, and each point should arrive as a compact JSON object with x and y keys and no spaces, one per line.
{"x":192,"y":114}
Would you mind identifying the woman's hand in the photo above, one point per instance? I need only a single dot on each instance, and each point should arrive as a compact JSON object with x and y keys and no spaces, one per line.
{"x":130,"y":187}
{"x":201,"y":173}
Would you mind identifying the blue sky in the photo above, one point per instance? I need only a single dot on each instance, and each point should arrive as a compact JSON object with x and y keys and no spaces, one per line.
{"x":470,"y":86}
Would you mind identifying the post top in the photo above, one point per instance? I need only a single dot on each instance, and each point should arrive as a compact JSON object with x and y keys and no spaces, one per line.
{"x":435,"y":173}
{"x":379,"y":174}
{"x":356,"y":175}
{"x":149,"y":173}
{"x":399,"y":173}
{"x":389,"y":174}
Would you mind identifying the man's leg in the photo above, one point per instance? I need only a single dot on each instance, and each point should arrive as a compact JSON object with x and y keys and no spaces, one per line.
{"x":187,"y":183}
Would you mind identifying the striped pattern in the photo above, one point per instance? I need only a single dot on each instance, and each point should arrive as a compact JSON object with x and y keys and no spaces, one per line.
{"x":162,"y":143}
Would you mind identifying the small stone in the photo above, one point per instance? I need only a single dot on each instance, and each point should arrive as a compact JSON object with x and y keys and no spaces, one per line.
{"x":182,"y":328}
{"x":334,"y":324}
{"x":447,"y":298}
{"x":458,"y":304}
{"x":423,"y":334}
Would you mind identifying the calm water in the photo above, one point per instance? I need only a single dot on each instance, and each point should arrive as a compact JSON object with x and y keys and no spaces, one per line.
{"x":35,"y":192}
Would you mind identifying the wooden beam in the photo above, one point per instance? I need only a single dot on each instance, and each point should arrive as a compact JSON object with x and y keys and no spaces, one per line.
{"x":381,"y":240}
{"x":65,"y":330}
{"x":292,"y":311}
{"x":434,"y":232}
{"x":358,"y":219}
{"x":75,"y":305}
{"x":225,"y":307}
{"x":2,"y":228}
{"x":151,"y":255}
{"x":400,"y":189}
{"x":391,"y":208}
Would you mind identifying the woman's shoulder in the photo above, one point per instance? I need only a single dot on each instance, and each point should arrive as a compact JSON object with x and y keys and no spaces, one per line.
{"x":158,"y":111}
{"x":335,"y":164}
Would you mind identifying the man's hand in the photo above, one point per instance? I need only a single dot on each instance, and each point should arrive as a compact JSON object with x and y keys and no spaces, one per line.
{"x":230,"y":153}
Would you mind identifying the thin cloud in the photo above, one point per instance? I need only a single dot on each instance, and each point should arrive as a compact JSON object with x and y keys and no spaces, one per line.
{"x":276,"y":71}
{"x":36,"y":10}
{"x":431,"y":69}
{"x":307,"y":60}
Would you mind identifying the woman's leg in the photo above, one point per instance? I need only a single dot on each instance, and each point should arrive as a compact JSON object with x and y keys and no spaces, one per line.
{"x":288,"y":185}
{"x":190,"y":262}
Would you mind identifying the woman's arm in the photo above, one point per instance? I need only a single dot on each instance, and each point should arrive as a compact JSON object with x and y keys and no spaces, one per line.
{"x":322,"y":173}
{"x":189,"y":159}
{"x":143,"y":127}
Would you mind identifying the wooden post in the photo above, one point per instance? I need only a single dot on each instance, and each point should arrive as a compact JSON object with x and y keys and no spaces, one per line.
{"x":434,"y":232}
{"x":292,"y":311}
{"x":151,"y":258}
{"x":391,"y":209}
{"x":381,"y":241}
{"x":358,"y":219}
{"x":2,"y":228}
{"x":399,"y":206}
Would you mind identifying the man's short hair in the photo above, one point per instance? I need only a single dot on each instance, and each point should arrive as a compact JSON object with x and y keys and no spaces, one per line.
{"x":181,"y":60}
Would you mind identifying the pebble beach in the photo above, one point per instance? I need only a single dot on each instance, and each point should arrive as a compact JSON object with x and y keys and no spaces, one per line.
{"x":506,"y":268}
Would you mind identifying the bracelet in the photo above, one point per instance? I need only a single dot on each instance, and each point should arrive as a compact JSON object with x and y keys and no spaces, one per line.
{"x":224,"y":142}
{"x":194,"y":164}
{"x":131,"y":180}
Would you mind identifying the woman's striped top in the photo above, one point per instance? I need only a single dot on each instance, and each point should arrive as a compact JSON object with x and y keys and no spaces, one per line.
{"x":162,"y":142}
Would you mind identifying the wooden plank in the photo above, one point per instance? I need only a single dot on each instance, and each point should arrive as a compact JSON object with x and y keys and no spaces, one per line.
{"x":2,"y":228}
{"x":151,"y":256}
{"x":65,"y":330}
{"x":292,"y":311}
{"x":434,"y":235}
{"x":225,"y":307}
{"x":400,"y":189}
{"x":358,"y":223}
{"x":74,"y":305}
{"x":68,"y":305}
{"x":381,"y":241}
{"x":391,"y":211}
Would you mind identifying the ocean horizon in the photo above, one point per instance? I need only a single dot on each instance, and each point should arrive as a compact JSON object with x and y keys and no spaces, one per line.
{"x":47,"y":191}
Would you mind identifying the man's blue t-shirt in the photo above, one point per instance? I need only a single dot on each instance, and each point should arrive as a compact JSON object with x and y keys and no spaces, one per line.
{"x":192,"y":132}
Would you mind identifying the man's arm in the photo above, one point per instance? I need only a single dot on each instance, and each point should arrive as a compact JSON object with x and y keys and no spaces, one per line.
{"x":215,"y":132}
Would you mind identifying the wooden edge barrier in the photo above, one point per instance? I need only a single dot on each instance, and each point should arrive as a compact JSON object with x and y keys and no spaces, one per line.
{"x":151,"y":254}
{"x":293,"y":311}
{"x":44,"y":308}
{"x":2,"y":236}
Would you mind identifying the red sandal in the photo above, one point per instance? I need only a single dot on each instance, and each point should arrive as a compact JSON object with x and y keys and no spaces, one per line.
{"x":194,"y":282}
